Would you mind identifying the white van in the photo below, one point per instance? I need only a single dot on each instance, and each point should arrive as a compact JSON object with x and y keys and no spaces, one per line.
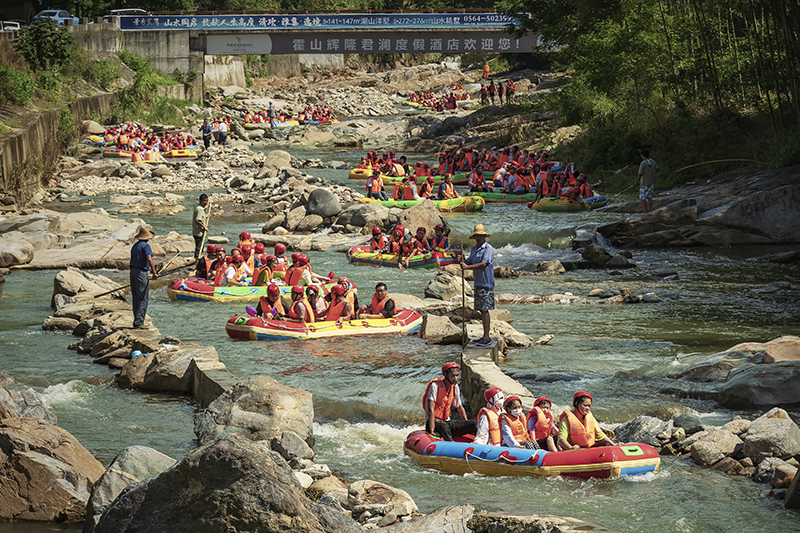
{"x":8,"y":25}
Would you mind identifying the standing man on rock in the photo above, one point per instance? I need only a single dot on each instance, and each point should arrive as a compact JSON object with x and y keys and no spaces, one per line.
{"x":481,"y":260}
{"x":206,"y":131}
{"x":199,"y":224}
{"x":141,"y":265}
{"x":647,"y":176}
{"x":271,"y":115}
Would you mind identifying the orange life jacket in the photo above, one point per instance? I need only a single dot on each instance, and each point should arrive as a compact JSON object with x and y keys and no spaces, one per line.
{"x":543,"y":425}
{"x":425,"y":189}
{"x":580,"y":433}
{"x":408,"y":192}
{"x":258,"y":274}
{"x":239,"y":272}
{"x":292,"y":313}
{"x":399,"y":170}
{"x":396,"y":192}
{"x":335,"y":311}
{"x":519,"y":426}
{"x":377,"y":246}
{"x":294,"y":275}
{"x":208,"y":263}
{"x":438,"y":243}
{"x":351,"y":299}
{"x":377,"y":184}
{"x":443,"y":402}
{"x":378,"y":305}
{"x":419,"y":245}
{"x":251,"y":262}
{"x":136,"y":157}
{"x":448,"y":191}
{"x":266,"y":307}
{"x":395,"y":247}
{"x":495,"y":436}
{"x":220,"y":273}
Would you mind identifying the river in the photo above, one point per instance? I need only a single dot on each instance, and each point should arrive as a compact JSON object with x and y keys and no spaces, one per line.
{"x":367,"y":391}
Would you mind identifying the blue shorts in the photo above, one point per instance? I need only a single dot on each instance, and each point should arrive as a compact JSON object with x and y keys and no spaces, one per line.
{"x":646,"y":191}
{"x":484,"y":299}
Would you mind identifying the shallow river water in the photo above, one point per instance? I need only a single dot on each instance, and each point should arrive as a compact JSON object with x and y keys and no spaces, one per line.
{"x":367,"y":391}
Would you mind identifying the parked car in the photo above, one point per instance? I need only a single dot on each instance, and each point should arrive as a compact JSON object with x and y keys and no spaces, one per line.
{"x":9,"y":25}
{"x":59,"y":16}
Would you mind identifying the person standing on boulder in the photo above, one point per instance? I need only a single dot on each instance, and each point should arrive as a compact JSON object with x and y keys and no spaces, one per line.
{"x":481,"y":260}
{"x":199,"y":224}
{"x":206,"y":130}
{"x":141,"y":265}
{"x":647,"y":177}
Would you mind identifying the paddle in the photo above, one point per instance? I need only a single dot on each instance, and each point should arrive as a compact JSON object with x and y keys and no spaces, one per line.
{"x":205,"y":232}
{"x":463,"y":304}
{"x":128,"y":285}
{"x":623,"y":190}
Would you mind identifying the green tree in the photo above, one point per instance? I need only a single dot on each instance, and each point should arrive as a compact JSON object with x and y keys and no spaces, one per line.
{"x":46,"y":46}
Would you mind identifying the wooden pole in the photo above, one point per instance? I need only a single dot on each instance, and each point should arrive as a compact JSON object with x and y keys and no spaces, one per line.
{"x":463,"y":304}
{"x":128,"y":285}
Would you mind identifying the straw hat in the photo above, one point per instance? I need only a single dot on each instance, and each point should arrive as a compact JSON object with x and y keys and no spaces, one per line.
{"x":144,"y":234}
{"x":479,"y":230}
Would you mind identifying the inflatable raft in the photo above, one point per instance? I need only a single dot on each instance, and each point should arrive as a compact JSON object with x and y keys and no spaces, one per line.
{"x":363,"y":173}
{"x":250,"y":328}
{"x":181,"y":154}
{"x":567,"y":205}
{"x":199,"y":290}
{"x":602,"y":462}
{"x":117,"y":153}
{"x":463,"y":204}
{"x":501,"y":197}
{"x":360,"y":255}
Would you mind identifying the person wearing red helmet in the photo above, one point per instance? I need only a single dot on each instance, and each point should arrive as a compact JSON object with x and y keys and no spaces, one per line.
{"x":297,"y":273}
{"x":245,"y":238}
{"x":237,"y":272}
{"x":488,"y":431}
{"x":440,"y":396}
{"x":439,"y":242}
{"x":364,"y":165}
{"x":578,"y":428}
{"x":205,"y":264}
{"x":249,"y":258}
{"x":426,"y":188}
{"x":514,"y":426}
{"x":395,"y":244}
{"x":272,"y":305}
{"x":382,"y":305}
{"x":375,"y":186}
{"x":378,"y":241}
{"x":541,"y":424}
{"x":339,"y":309}
{"x":446,"y":188}
{"x":262,"y":275}
{"x":419,"y":242}
{"x":200,"y":224}
{"x":259,"y":249}
{"x":280,"y":249}
{"x":300,"y":310}
{"x":477,"y":182}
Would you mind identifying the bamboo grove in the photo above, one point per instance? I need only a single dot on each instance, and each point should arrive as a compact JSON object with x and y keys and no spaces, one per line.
{"x":648,"y":60}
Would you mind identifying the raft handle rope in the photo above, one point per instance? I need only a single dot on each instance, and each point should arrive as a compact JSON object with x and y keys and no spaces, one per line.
{"x":468,"y":454}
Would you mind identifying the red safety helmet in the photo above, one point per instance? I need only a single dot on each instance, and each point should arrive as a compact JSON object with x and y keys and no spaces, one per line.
{"x":221,"y":249}
{"x":448,"y":175}
{"x":296,"y":257}
{"x":511,"y":399}
{"x":280,"y":248}
{"x":423,"y":230}
{"x":237,"y":258}
{"x":439,"y":226}
{"x":448,"y":366}
{"x":211,"y":249}
{"x":247,"y":249}
{"x":260,"y":248}
{"x":579,"y":394}
{"x":376,"y":231}
{"x":297,"y":289}
{"x":540,"y":400}
{"x":489,"y":394}
{"x":271,"y":257}
{"x":337,"y":289}
{"x":400,"y":228}
{"x":236,"y":250}
{"x":431,"y":179}
{"x":228,"y":260}
{"x":343,"y":279}
{"x":302,"y":259}
{"x":273,"y":289}
{"x":244,"y":236}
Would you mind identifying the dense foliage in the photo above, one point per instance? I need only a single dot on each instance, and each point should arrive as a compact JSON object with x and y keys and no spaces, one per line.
{"x":46,"y":46}
{"x":685,"y":72}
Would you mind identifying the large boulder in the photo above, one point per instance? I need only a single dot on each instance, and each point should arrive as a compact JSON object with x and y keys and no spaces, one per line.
{"x":45,"y":473}
{"x":294,"y":217}
{"x":717,"y":367}
{"x":595,"y":255}
{"x":439,"y":330}
{"x":131,"y":465}
{"x":792,"y":498}
{"x":102,"y":168}
{"x":643,"y":429}
{"x":449,"y":519}
{"x":445,"y":286}
{"x":324,"y":203}
{"x":423,"y":215}
{"x":776,"y":384}
{"x":230,"y":485}
{"x":714,"y":446}
{"x":278,"y":159}
{"x":772,"y":435}
{"x":74,"y":282}
{"x":379,"y":499}
{"x":690,"y":423}
{"x":31,"y":223}
{"x":169,"y":369}
{"x":308,"y":224}
{"x":15,"y":250}
{"x":260,"y":408}
{"x":786,"y":348}
{"x":19,"y":401}
{"x":364,"y":215}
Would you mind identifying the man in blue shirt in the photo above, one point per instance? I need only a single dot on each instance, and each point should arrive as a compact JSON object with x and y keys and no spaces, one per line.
{"x":141,"y":265}
{"x":481,"y":260}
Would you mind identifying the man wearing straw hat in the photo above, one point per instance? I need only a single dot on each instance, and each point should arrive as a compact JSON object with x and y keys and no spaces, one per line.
{"x":141,"y":265}
{"x":481,"y":260}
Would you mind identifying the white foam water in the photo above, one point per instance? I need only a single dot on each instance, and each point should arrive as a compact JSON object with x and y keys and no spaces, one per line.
{"x":69,"y":392}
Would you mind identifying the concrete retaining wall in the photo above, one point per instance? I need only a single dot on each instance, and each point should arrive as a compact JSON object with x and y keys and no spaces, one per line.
{"x":479,"y":372}
{"x":223,"y":71}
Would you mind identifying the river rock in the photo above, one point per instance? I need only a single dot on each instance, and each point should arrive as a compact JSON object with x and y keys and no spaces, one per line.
{"x":595,"y":255}
{"x":324,"y":203}
{"x":74,"y":282}
{"x":15,"y":250}
{"x":713,"y":446}
{"x":439,"y":330}
{"x":278,"y":159}
{"x":717,"y":367}
{"x":738,"y":426}
{"x":762,"y":385}
{"x":260,"y":408}
{"x":309,"y":223}
{"x":20,"y":401}
{"x":292,"y":447}
{"x":786,"y":348}
{"x":498,"y":522}
{"x":45,"y":474}
{"x":782,"y":476}
{"x":93,"y":128}
{"x":102,"y":168}
{"x":766,"y":469}
{"x":168,"y":369}
{"x":423,"y":215}
{"x":131,"y":465}
{"x":553,"y":266}
{"x":445,"y":286}
{"x":379,"y":499}
{"x":730,"y":466}
{"x":294,"y":217}
{"x":792,"y":498}
{"x":364,"y":215}
{"x":772,"y":435}
{"x":232,"y":485}
{"x":274,"y":222}
{"x":449,"y":519}
{"x":643,"y":429}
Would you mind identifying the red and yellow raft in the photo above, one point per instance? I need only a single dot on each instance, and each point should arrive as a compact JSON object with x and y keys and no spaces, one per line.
{"x":251,"y":328}
{"x":601,"y":462}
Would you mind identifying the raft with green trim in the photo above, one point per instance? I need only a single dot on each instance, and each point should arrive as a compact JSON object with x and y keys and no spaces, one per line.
{"x":200,"y":290}
{"x":462,"y":204}
{"x":501,"y":197}
{"x":244,"y":327}
{"x":360,"y":255}
{"x":567,"y":205}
